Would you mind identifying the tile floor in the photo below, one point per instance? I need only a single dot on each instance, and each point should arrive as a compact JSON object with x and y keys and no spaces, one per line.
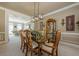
{"x":12,"y":48}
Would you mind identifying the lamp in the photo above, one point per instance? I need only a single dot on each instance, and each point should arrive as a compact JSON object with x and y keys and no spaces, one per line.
{"x":37,"y":16}
{"x":62,"y":23}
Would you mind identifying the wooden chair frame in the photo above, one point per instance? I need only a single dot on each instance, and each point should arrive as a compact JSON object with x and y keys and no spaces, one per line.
{"x":55,"y":45}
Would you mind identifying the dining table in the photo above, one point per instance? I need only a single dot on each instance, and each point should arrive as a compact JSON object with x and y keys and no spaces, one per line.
{"x":39,"y":39}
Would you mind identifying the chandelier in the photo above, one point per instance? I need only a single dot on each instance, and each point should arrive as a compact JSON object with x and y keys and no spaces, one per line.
{"x":37,"y":16}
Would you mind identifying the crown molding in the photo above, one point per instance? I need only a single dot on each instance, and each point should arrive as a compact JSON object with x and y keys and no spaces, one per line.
{"x":16,"y":13}
{"x":2,"y":8}
{"x":62,"y":9}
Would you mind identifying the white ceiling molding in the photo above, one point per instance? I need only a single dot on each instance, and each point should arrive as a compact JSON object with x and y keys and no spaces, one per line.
{"x":16,"y":13}
{"x":2,"y":8}
{"x":62,"y":9}
{"x":19,"y":21}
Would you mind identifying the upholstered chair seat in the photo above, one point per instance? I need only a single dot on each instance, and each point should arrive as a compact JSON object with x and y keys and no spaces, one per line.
{"x":47,"y":47}
{"x":34,"y":44}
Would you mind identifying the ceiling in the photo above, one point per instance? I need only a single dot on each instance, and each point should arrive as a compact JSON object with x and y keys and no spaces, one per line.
{"x":17,"y":19}
{"x":28,"y":7}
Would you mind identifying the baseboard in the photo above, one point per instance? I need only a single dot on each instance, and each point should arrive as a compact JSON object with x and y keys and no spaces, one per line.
{"x":3,"y":42}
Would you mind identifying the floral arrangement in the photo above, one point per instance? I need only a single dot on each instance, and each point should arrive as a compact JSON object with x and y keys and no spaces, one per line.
{"x":36,"y":35}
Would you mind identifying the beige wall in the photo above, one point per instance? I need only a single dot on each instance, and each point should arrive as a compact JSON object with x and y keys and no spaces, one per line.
{"x":62,"y":15}
{"x":2,"y":20}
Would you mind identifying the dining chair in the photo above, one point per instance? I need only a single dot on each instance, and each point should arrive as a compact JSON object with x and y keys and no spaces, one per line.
{"x":22,"y":38}
{"x":24,"y":41}
{"x":51,"y":48}
{"x":31,"y":45}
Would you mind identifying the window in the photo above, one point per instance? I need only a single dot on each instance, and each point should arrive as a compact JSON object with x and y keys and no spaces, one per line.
{"x":10,"y":28}
{"x":19,"y":27}
{"x":26,"y":26}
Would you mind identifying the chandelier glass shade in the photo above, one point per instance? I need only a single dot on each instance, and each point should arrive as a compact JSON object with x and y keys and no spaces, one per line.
{"x":37,"y":16}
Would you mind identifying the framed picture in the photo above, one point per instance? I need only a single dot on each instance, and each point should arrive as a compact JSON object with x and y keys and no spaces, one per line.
{"x":70,"y":23}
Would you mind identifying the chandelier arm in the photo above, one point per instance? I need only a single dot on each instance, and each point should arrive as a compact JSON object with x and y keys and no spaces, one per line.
{"x":38,"y":9}
{"x":34,"y":9}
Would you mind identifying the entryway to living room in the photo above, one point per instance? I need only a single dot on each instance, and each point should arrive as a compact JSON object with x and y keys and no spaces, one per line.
{"x":15,"y":22}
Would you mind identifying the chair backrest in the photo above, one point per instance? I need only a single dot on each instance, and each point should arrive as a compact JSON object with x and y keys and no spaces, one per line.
{"x":21,"y":32}
{"x":29,"y":38}
{"x":23,"y":35}
{"x":57,"y":38}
